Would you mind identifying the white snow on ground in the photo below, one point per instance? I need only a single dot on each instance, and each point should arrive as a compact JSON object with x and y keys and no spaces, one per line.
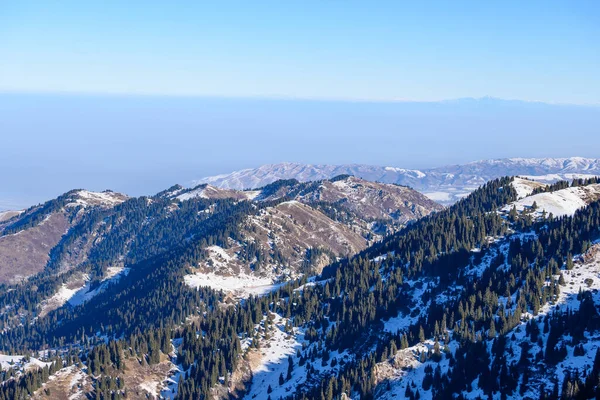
{"x":199,"y":192}
{"x":5,"y":215}
{"x":170,"y":385}
{"x":218,"y":254}
{"x":74,"y":378}
{"x":274,"y":354}
{"x":525,"y":187}
{"x":272,"y":361}
{"x":20,"y":362}
{"x":80,"y":294}
{"x":113,"y":274}
{"x":559,"y":177}
{"x":405,"y":368}
{"x":439,"y":196}
{"x":585,"y":275}
{"x":401,"y":322}
{"x":240,"y":286}
{"x":251,"y":194}
{"x":560,"y":203}
{"x":152,"y":387}
{"x":108,"y":198}
{"x":65,"y":294}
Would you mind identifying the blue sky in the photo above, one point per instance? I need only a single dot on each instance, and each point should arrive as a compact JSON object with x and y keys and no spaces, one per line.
{"x":135,"y":96}
{"x":383,"y":50}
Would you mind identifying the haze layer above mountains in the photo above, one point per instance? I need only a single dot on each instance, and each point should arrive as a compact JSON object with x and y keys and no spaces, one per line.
{"x":140,"y":145}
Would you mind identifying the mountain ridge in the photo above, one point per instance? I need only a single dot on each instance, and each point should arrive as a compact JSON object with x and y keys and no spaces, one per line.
{"x":445,"y":184}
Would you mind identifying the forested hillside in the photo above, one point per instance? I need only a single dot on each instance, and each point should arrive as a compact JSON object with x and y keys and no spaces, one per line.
{"x":493,"y":297}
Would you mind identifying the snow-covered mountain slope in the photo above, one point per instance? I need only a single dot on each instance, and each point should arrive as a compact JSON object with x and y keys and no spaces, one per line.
{"x":103,"y":199}
{"x":558,"y":203}
{"x":525,"y":187}
{"x":77,"y":289}
{"x":443,"y":184}
{"x":405,"y":371}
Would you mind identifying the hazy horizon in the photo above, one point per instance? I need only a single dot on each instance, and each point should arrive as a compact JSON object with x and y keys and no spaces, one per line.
{"x":143,"y":144}
{"x":137,"y":96}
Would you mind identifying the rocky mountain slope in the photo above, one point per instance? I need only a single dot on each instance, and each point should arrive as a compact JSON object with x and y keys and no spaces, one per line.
{"x":73,"y":247}
{"x":443,"y":184}
{"x":27,"y":238}
{"x":489,"y":298}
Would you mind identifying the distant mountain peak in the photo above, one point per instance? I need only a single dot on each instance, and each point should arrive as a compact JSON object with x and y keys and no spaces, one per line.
{"x":443,"y":184}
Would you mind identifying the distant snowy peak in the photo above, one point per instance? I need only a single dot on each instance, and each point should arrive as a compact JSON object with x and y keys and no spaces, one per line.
{"x":266,"y":174}
{"x":563,"y":165}
{"x":443,"y":184}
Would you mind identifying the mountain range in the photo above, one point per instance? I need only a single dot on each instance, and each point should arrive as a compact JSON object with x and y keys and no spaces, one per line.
{"x":338,"y":288}
{"x":443,"y":184}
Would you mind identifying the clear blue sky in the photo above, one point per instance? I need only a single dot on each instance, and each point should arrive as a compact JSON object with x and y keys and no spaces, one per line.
{"x":138,"y":95}
{"x":529,"y":50}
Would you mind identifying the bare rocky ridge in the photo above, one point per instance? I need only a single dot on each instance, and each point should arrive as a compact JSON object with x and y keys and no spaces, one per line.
{"x":373,"y":200}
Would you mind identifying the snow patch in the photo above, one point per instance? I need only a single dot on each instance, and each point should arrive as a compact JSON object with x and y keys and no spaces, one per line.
{"x":564,"y":202}
{"x":240,"y":286}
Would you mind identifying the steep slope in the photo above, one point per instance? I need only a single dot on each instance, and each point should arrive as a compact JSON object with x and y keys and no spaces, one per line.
{"x":373,"y":201}
{"x":309,"y":226}
{"x":467,"y":302}
{"x":74,"y":247}
{"x":364,"y":201}
{"x":443,"y":184}
{"x":276,"y":244}
{"x":27,"y":238}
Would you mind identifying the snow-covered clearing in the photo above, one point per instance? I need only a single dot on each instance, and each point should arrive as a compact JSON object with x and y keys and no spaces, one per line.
{"x":192,"y":194}
{"x":6,"y":215}
{"x":524,"y":187}
{"x":239,"y":286}
{"x":271,"y":360}
{"x":560,"y":203}
{"x":20,"y":362}
{"x":113,"y":274}
{"x":86,"y":198}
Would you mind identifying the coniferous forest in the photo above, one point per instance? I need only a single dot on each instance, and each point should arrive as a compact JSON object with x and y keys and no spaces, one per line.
{"x":478,"y":300}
